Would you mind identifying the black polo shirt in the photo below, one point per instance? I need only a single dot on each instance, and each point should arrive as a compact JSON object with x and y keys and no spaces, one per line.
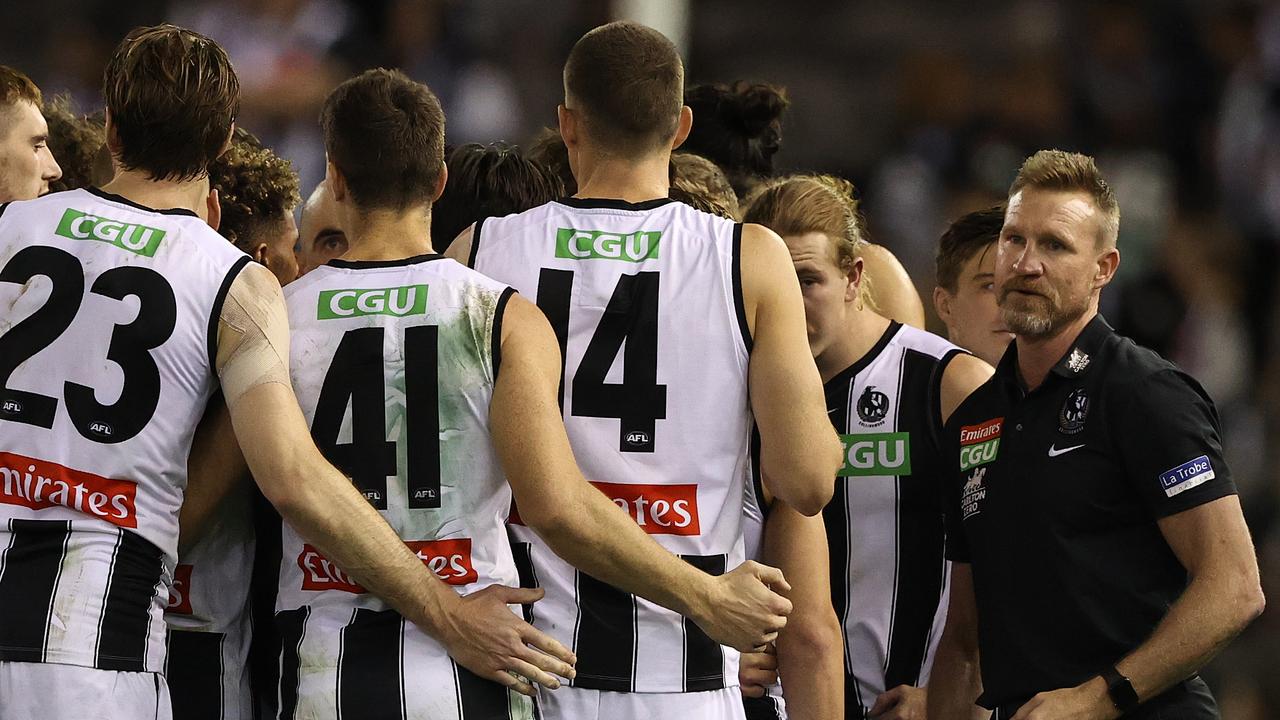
{"x":1056,"y":502}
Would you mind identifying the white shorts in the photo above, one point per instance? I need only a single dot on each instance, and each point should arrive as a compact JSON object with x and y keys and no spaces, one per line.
{"x":49,"y":691}
{"x":571,"y":703}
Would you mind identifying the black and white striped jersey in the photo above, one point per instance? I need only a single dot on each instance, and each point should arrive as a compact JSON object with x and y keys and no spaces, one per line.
{"x":889,"y":580}
{"x":209,"y":619}
{"x":645,"y":300}
{"x":394,"y":365}
{"x":108,"y":320}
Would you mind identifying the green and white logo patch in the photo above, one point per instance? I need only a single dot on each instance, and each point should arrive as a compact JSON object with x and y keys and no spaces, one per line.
{"x":971,"y":456}
{"x":397,"y":302}
{"x":599,"y":245}
{"x":870,"y":454}
{"x":132,"y":237}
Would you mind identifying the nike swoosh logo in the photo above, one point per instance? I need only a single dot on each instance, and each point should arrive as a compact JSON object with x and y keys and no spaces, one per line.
{"x":1054,"y":452}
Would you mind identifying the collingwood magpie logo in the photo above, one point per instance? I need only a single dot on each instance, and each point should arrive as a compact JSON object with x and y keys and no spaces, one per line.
{"x":873,"y":406}
{"x":1074,"y":412}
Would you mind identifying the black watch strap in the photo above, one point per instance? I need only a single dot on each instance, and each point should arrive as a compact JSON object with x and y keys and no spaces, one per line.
{"x":1120,"y":690}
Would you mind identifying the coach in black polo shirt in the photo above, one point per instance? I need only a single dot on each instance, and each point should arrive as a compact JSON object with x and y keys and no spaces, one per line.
{"x":1100,"y":555}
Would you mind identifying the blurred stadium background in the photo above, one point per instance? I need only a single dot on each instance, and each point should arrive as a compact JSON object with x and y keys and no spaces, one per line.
{"x":927,"y":105}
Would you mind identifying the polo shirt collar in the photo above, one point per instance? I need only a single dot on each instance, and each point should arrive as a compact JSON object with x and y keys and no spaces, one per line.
{"x":1077,"y":361}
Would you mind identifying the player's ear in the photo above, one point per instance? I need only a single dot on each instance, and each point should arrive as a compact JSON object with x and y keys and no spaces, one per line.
{"x":113,"y":135}
{"x":942,"y":304}
{"x":683,"y":127}
{"x":1108,"y":263}
{"x":855,"y":277}
{"x":261,"y":256}
{"x":213,"y":207}
{"x":568,"y":122}
{"x":337,"y":183}
{"x":441,"y":181}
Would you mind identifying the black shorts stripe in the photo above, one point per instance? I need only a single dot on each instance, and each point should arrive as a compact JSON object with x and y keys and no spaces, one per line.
{"x":605,"y":638}
{"x":523,"y":553}
{"x":703,"y":657}
{"x":126,"y":617}
{"x":32,"y":565}
{"x":291,"y":627}
{"x":761,"y":708}
{"x":921,"y":534}
{"x":480,"y":699}
{"x":371,"y":666}
{"x":195,"y":674}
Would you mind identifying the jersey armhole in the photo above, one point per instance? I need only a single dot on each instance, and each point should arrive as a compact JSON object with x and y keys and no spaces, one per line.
{"x":216,"y":312}
{"x":475,"y":246}
{"x":739,"y":305}
{"x":3,"y":207}
{"x":495,"y":340}
{"x":757,"y":478}
{"x":935,"y":394}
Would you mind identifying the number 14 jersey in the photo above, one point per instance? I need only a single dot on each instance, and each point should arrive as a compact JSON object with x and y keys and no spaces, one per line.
{"x":646,"y":302}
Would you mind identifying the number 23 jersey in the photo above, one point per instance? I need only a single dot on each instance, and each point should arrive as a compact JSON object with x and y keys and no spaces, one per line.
{"x":108,"y":317}
{"x":646,"y":302}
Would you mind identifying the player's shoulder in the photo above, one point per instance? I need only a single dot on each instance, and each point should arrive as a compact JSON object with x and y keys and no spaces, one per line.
{"x":925,"y":342}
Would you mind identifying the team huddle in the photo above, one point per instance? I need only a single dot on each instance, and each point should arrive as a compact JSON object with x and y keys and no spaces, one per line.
{"x":600,"y":429}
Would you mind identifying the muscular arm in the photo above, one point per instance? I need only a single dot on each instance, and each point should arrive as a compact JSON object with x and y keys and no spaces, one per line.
{"x":955,"y":682}
{"x":460,"y":248}
{"x":892,"y":292}
{"x":323,"y":505}
{"x":582,"y":525}
{"x":799,"y":451}
{"x":810,"y":649}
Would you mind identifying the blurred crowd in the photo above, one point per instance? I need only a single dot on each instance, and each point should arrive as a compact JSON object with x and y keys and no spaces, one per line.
{"x":928,"y":106}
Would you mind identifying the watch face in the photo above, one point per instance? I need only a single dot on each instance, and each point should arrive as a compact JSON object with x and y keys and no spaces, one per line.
{"x":1121,"y":691}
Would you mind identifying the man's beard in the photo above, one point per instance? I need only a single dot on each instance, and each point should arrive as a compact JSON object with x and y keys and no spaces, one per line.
{"x":1035,"y":316}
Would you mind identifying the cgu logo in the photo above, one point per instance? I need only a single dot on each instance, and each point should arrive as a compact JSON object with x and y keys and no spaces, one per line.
{"x":138,"y":239}
{"x":979,"y":444}
{"x":397,"y":302}
{"x":876,"y":454}
{"x":657,"y":509}
{"x":597,"y":244}
{"x":449,"y":559}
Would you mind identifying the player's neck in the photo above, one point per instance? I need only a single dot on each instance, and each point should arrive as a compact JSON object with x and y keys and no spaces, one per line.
{"x":137,"y":187}
{"x":387,"y":234}
{"x":864,"y":330}
{"x":1036,"y":357}
{"x":619,"y":178}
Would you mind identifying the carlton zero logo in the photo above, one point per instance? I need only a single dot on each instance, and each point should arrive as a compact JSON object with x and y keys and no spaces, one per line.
{"x":657,"y":509}
{"x":38,"y":484}
{"x":876,"y":454}
{"x":979,"y":443}
{"x":135,"y":238}
{"x":449,"y":559}
{"x":397,"y":302}
{"x":599,"y":245}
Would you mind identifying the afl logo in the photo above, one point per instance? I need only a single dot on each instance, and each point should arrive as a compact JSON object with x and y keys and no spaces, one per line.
{"x":873,"y":406}
{"x":1074,"y":412}
{"x":637,"y":437}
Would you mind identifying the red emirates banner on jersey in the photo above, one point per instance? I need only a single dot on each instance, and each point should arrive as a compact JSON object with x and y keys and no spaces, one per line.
{"x":450,"y":560}
{"x":657,"y":509}
{"x":39,"y":484}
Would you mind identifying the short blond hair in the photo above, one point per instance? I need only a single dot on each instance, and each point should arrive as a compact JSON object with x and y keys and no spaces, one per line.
{"x":1061,"y":170}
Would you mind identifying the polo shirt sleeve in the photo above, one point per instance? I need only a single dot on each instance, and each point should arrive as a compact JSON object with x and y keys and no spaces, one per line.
{"x":1170,"y":444}
{"x":953,"y":479}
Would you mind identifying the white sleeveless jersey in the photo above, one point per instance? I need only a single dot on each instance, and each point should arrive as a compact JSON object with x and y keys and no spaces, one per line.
{"x":209,"y":619}
{"x":108,"y":316}
{"x":889,"y":580}
{"x":646,"y":302}
{"x":394,"y":365}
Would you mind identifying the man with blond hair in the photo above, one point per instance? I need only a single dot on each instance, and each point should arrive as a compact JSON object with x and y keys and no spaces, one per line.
{"x":26,"y":165}
{"x":1100,"y":557}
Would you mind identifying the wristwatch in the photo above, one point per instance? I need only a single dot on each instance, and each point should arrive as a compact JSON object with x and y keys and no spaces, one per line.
{"x":1120,"y":690}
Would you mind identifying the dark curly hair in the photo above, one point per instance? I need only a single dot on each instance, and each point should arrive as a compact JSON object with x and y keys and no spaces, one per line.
{"x":488,"y":181}
{"x":255,"y":187}
{"x":738,"y":127}
{"x":76,"y":142}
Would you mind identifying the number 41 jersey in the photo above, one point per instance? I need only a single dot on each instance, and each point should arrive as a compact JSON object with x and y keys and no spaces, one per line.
{"x":645,"y":300}
{"x":108,"y":315}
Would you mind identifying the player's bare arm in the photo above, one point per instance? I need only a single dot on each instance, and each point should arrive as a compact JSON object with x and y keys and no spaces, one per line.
{"x":892,"y":291}
{"x":810,"y":649}
{"x":587,"y":529}
{"x":956,"y":682}
{"x":1223,"y":595}
{"x":460,"y":248}
{"x":215,"y":467}
{"x":800,"y":452}
{"x":479,"y":630}
{"x":964,"y":374}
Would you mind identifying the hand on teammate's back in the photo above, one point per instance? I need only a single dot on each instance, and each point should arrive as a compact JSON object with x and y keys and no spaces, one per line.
{"x":743,"y":612}
{"x":904,"y":702}
{"x":483,"y":635}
